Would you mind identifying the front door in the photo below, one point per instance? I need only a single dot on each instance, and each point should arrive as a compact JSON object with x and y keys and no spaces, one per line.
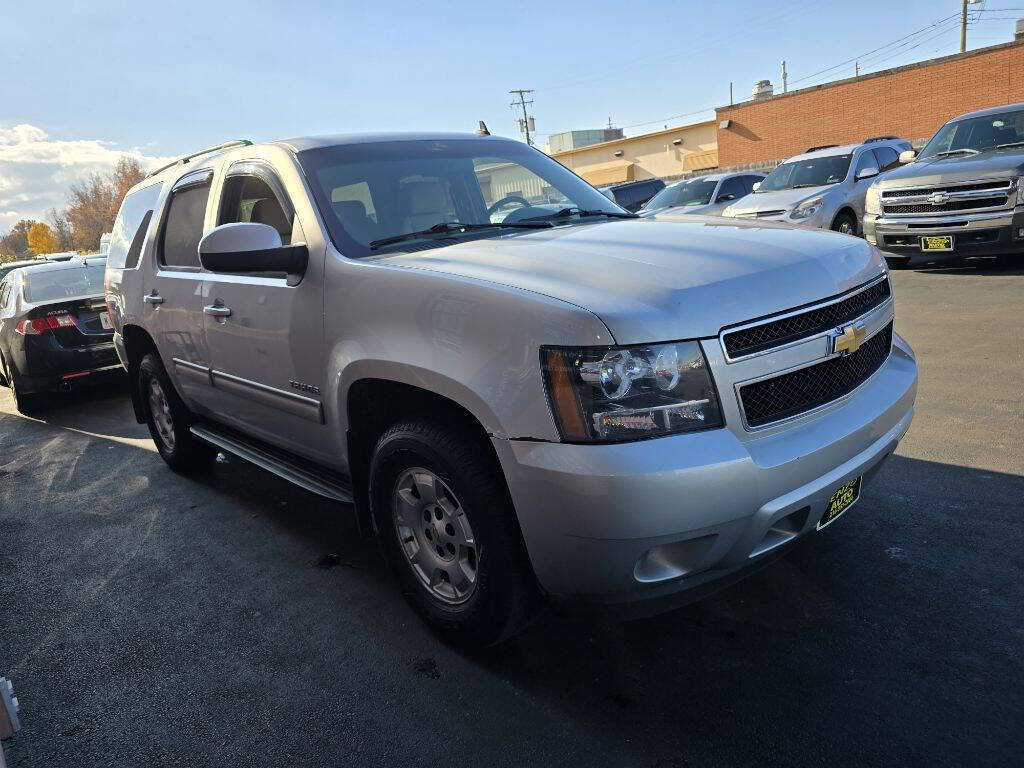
{"x":265,"y":334}
{"x":172,"y":297}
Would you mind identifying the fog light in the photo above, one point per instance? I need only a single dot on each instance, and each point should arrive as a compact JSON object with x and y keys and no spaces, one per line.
{"x":1020,"y":233}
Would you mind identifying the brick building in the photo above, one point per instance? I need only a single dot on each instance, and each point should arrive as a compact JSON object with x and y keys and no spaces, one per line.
{"x":910,"y":101}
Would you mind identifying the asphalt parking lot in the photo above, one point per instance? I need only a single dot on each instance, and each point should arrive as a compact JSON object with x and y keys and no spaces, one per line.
{"x":231,"y":619}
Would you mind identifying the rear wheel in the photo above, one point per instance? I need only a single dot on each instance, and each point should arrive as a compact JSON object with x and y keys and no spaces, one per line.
{"x":448,"y":530}
{"x":27,"y":403}
{"x":169,"y":419}
{"x":845,"y":223}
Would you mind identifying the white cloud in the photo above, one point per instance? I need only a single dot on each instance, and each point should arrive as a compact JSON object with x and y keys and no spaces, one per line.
{"x":36,"y":171}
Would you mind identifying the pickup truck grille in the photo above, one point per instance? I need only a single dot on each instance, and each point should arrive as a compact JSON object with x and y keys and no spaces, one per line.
{"x":803,"y":390}
{"x":775,"y":333}
{"x":987,"y":195}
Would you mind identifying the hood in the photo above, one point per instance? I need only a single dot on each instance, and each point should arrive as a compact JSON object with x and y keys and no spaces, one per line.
{"x":660,"y":280}
{"x":1000,"y":164}
{"x":779,"y":200}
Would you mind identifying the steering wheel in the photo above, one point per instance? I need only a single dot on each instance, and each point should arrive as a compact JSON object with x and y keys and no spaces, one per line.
{"x":523,"y":202}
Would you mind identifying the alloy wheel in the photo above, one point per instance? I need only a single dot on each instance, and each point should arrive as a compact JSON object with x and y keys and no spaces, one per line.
{"x":435,"y":535}
{"x":160,"y":411}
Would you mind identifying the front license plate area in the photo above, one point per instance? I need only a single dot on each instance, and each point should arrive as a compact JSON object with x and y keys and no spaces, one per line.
{"x":937,"y":243}
{"x":842,"y":499}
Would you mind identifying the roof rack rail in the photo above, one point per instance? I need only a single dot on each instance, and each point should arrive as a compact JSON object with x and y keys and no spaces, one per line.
{"x":823,"y":146}
{"x":186,"y":158}
{"x":879,"y":138}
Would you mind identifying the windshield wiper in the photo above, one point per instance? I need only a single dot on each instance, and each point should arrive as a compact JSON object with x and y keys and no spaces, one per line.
{"x":801,"y":186}
{"x":1010,"y":144}
{"x":968,"y":150}
{"x":565,"y":213}
{"x":445,"y":227}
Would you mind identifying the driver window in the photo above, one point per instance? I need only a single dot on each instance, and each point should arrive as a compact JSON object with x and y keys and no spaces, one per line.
{"x":249,"y":198}
{"x":867,"y":160}
{"x":506,"y":186}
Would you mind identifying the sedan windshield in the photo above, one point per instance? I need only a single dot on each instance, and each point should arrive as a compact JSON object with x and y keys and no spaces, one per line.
{"x":813,"y":172}
{"x":389,"y":194}
{"x":692,"y":192}
{"x":976,"y":134}
{"x":71,"y":283}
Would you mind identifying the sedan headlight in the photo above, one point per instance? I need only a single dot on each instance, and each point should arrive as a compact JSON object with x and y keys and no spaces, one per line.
{"x":602,"y":394}
{"x":873,"y":200}
{"x":807,"y":208}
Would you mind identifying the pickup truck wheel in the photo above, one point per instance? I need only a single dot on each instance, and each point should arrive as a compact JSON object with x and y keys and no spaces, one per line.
{"x":845,"y":223}
{"x":448,"y":530}
{"x":169,"y":419}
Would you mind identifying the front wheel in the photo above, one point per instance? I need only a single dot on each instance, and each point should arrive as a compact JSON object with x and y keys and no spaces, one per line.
{"x":169,"y":419}
{"x":448,"y":530}
{"x":845,"y":224}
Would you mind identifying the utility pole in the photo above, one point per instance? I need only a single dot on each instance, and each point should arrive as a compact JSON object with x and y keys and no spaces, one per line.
{"x":856,"y":69}
{"x":524,"y":121}
{"x":783,"y":75}
{"x":963,"y":26}
{"x":730,"y":93}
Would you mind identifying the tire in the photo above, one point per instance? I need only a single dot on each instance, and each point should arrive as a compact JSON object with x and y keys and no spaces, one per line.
{"x":169,"y":419}
{"x":898,"y":262}
{"x":27,"y":403}
{"x":5,"y":380}
{"x":846,"y":224}
{"x":437,"y":490}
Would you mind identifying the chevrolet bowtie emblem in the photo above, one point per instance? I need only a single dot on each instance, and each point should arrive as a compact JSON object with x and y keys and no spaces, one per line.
{"x":847,"y":340}
{"x":938,"y":198}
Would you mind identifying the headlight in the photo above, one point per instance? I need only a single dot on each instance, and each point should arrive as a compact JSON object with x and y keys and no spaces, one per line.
{"x":601,"y":394}
{"x":873,"y":200}
{"x":807,"y":208}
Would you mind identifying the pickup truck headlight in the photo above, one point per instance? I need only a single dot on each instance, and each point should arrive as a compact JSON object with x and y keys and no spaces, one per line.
{"x":873,"y":201}
{"x":807,"y":208}
{"x":602,"y":394}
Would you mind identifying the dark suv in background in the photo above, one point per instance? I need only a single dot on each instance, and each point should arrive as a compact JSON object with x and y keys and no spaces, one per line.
{"x":633,"y":195}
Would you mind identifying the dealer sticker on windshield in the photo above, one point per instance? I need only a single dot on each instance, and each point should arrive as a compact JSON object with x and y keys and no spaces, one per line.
{"x":841,"y":501}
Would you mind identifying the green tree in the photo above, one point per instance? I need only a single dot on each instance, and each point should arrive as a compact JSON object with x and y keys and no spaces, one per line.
{"x":14,"y":245}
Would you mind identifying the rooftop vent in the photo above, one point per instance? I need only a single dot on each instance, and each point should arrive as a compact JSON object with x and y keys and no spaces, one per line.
{"x":762,"y":89}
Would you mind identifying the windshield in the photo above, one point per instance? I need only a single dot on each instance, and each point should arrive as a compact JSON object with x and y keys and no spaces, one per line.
{"x":369,"y":193}
{"x":72,"y":283}
{"x":813,"y":172}
{"x":976,"y":134}
{"x":693,"y":192}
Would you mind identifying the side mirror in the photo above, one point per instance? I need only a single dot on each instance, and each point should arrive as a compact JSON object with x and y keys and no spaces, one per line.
{"x":250,"y":247}
{"x":907,"y":156}
{"x":725,"y":198}
{"x":867,"y":173}
{"x":756,"y":186}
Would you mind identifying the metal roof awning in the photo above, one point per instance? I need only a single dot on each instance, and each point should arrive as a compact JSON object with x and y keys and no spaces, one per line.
{"x":699,"y":161}
{"x":602,"y":174}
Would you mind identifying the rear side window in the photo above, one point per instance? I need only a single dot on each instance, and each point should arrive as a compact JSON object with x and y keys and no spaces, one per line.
{"x":183,"y":229}
{"x":130,"y":227}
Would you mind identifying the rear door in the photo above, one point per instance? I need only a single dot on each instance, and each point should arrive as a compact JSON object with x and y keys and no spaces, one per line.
{"x":265,"y":334}
{"x":172,"y":291}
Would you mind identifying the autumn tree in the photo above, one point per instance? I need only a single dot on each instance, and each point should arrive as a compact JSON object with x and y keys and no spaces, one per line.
{"x":61,"y":229}
{"x":41,"y":239}
{"x":14,"y":245}
{"x":94,"y":201}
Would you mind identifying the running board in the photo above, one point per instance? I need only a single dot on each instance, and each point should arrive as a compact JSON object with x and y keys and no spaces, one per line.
{"x":312,"y":477}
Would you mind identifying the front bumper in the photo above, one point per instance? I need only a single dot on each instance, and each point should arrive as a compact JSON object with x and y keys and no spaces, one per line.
{"x":632,"y":524}
{"x":979,"y":234}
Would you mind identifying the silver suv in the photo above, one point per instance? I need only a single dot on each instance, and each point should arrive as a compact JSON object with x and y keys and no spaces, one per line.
{"x":962,"y":196}
{"x":824,"y":187}
{"x":529,"y":394}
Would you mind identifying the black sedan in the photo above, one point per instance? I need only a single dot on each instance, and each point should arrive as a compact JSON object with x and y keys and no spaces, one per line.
{"x":55,"y":331}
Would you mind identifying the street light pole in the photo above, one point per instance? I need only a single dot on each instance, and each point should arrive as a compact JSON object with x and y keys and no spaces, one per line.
{"x":963,"y":26}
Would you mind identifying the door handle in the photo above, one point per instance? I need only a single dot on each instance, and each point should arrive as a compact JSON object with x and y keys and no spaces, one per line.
{"x":217,"y":310}
{"x":153,"y":298}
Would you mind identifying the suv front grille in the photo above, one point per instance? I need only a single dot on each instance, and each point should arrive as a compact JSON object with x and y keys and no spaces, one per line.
{"x":794,"y":393}
{"x":984,"y":195}
{"x":775,"y":333}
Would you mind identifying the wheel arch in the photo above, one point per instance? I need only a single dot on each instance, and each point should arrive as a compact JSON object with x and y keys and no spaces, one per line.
{"x":137,"y":344}
{"x":848,"y":210}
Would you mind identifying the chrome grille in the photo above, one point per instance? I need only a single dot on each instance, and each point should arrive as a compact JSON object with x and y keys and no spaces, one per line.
{"x":808,"y":388}
{"x":759,"y":214}
{"x":950,"y":198}
{"x":775,"y":333}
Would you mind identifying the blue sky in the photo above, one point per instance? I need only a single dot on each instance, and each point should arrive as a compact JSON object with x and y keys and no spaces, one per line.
{"x":164,"y":78}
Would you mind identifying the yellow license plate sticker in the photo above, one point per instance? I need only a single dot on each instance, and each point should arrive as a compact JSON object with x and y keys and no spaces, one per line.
{"x":842,"y":499}
{"x":938,"y":243}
